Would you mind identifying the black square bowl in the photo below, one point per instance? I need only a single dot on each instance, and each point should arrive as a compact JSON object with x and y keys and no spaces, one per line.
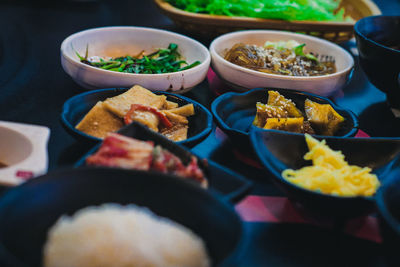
{"x":75,"y":108}
{"x":235,"y":112}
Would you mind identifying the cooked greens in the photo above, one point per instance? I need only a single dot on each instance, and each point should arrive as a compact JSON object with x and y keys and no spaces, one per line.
{"x":315,"y":10}
{"x":164,"y":60}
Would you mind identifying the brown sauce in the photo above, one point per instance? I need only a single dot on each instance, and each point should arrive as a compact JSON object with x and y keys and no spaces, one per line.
{"x":278,"y":61}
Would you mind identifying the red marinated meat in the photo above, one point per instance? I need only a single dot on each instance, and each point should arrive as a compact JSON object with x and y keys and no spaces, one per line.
{"x":121,"y":151}
{"x":163,"y":119}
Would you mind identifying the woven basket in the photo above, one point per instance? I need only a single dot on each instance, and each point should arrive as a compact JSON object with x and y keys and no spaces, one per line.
{"x":213,"y":25}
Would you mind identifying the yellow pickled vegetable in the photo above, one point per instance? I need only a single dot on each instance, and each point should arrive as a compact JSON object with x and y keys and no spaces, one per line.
{"x":323,"y":118}
{"x":331,"y":174}
{"x":285,"y":124}
{"x":278,"y":100}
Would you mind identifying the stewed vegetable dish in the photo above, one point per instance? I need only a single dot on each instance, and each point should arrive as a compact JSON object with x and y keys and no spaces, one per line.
{"x":283,"y":58}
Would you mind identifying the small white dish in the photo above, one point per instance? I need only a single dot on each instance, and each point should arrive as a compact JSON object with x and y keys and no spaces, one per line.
{"x":244,"y":79}
{"x":122,"y":41}
{"x":23,"y":149}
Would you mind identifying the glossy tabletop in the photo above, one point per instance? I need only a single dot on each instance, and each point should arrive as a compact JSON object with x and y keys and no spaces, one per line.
{"x":33,"y":88}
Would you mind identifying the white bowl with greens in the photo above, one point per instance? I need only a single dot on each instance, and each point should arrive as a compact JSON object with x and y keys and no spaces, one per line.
{"x":315,"y":50}
{"x":125,"y":56}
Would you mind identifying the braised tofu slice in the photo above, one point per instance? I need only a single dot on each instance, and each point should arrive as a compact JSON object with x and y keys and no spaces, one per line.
{"x":268,"y":111}
{"x":175,"y":118}
{"x":120,"y":104}
{"x":285,"y":124}
{"x":323,"y":117}
{"x":146,"y":118}
{"x":186,"y":110}
{"x":99,"y":121}
{"x":276,"y":99}
{"x":170,"y":105}
{"x":176,"y":133}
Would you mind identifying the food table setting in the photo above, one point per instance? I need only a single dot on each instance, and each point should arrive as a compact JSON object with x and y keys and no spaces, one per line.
{"x":52,"y":80}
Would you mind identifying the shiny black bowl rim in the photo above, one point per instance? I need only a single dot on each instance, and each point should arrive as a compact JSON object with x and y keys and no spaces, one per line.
{"x":362,"y":35}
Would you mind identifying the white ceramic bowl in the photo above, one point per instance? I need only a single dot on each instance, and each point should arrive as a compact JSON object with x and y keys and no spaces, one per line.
{"x":23,"y":149}
{"x":122,"y":41}
{"x":244,"y":78}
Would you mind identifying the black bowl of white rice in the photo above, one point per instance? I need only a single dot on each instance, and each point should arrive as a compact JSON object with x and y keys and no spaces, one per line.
{"x":104,"y":217}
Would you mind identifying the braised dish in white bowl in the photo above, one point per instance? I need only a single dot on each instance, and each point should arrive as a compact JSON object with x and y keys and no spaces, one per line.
{"x":263,"y":58}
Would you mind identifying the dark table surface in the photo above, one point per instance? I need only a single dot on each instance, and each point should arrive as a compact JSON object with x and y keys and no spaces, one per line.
{"x":33,"y":87}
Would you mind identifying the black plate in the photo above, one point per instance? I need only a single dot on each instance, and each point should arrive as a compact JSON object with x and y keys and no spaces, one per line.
{"x":75,"y":108}
{"x":28,"y":211}
{"x":230,"y":184}
{"x":234,"y":112}
{"x":278,"y":151}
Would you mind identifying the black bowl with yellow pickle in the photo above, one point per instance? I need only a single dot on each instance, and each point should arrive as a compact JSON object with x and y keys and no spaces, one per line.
{"x":235,"y":112}
{"x":279,"y":151}
{"x":75,"y":109}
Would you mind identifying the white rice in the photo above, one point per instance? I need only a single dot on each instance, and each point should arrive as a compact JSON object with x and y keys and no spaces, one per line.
{"x":112,"y":235}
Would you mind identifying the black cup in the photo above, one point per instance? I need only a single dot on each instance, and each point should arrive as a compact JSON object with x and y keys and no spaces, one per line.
{"x":378,"y":42}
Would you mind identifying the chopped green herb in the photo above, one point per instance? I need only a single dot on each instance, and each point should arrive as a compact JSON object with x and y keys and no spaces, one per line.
{"x":298,"y":50}
{"x":161,"y":61}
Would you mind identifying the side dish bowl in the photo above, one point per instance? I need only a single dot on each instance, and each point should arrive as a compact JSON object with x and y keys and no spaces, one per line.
{"x":278,"y":151}
{"x":243,"y":78}
{"x":235,"y":112}
{"x":122,"y":41}
{"x":75,"y":108}
{"x":378,"y":43}
{"x":23,"y":152}
{"x":220,"y":179}
{"x":27,"y":213}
